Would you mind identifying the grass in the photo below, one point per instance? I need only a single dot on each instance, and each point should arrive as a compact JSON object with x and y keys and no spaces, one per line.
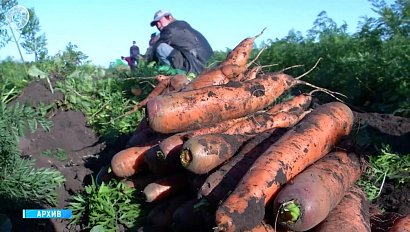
{"x":386,"y":166}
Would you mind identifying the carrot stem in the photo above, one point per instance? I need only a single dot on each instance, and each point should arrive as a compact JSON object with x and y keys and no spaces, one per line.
{"x":291,"y":211}
{"x":186,"y":157}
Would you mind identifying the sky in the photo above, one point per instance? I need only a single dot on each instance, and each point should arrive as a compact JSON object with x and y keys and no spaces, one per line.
{"x":104,"y":29}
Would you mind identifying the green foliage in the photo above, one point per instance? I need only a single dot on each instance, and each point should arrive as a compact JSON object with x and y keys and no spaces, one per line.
{"x":13,"y":79}
{"x":58,"y":154}
{"x":20,"y":117}
{"x":104,"y":101}
{"x":385,"y":166}
{"x":370,"y":67}
{"x":64,"y":62}
{"x":22,"y":185}
{"x":34,"y":43}
{"x":107,"y":207}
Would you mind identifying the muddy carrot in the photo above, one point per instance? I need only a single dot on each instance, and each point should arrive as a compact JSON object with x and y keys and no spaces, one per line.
{"x":264,"y":121}
{"x":190,"y":110}
{"x":309,"y":197}
{"x":401,"y":225}
{"x":241,"y":53}
{"x":301,"y":146}
{"x":219,"y":75}
{"x":173,"y":144}
{"x":350,"y":215}
{"x":221,"y":182}
{"x":202,"y":153}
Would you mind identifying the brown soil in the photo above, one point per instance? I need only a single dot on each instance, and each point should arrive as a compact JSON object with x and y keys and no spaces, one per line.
{"x":86,"y":155}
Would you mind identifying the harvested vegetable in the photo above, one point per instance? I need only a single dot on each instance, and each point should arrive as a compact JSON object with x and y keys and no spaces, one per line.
{"x":194,"y":109}
{"x":129,"y":161}
{"x":301,"y":146}
{"x":309,"y":197}
{"x":203,"y":153}
{"x":350,"y":215}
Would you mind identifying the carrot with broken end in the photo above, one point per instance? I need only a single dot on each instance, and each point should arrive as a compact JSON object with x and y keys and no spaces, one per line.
{"x":129,"y":161}
{"x":301,"y":146}
{"x":401,"y":225}
{"x":190,"y":110}
{"x":203,"y":153}
{"x":309,"y":197}
{"x":173,"y":144}
{"x":158,"y":165}
{"x":165,"y":187}
{"x":350,"y":215}
{"x":221,"y":182}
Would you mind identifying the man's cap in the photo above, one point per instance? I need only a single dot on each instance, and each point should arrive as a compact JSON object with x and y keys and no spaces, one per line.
{"x":158,"y":15}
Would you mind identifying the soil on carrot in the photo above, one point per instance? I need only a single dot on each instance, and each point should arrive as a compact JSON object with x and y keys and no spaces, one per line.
{"x":85,"y":154}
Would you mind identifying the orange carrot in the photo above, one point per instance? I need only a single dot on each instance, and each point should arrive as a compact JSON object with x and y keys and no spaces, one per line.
{"x":299,"y":102}
{"x":309,"y":197}
{"x":220,"y":183}
{"x":162,"y":85}
{"x":401,"y":225}
{"x":178,"y":82}
{"x":240,"y":54}
{"x":251,"y":74}
{"x":282,"y":115}
{"x":173,"y":144}
{"x":203,"y":153}
{"x":165,"y":187}
{"x":301,"y":146}
{"x":190,"y":110}
{"x":129,"y":161}
{"x":350,"y":215}
{"x":216,"y":76}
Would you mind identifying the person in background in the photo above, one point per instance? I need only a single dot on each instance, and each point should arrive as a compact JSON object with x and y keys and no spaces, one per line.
{"x":128,"y":60}
{"x":134,"y":54}
{"x":179,"y":45}
{"x":149,"y":53}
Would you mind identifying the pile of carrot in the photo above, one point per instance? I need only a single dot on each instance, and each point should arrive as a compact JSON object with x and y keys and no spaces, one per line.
{"x":222,"y":153}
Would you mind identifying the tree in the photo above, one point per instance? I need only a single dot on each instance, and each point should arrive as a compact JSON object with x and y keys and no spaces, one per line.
{"x":34,"y":43}
{"x":395,"y":19}
{"x":5,"y":5}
